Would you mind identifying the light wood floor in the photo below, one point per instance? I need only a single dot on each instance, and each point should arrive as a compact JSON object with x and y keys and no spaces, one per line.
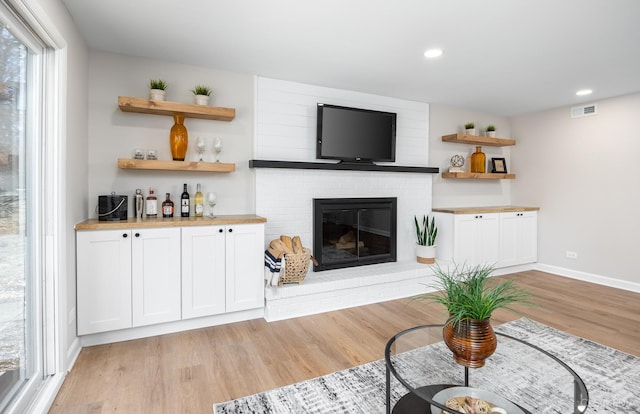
{"x":189,"y":371}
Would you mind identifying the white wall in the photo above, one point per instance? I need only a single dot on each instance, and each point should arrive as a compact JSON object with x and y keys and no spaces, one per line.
{"x":583,"y":173}
{"x":445,"y":120}
{"x":286,"y":130}
{"x":115,"y":134}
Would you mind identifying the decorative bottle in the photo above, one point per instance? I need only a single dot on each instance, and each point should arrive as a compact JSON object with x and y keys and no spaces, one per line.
{"x":198,"y":201}
{"x":478,"y":161}
{"x":151,"y":204}
{"x":184,"y":202}
{"x":178,"y":138}
{"x":167,"y":207}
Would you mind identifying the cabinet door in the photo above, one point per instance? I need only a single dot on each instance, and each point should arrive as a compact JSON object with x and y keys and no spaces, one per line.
{"x":155,"y":275}
{"x":103,"y":281}
{"x":203,"y":271}
{"x":245,"y":266}
{"x":476,"y":239}
{"x":519,"y":238}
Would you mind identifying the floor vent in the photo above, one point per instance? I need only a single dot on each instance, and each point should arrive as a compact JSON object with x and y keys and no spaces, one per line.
{"x":585,"y":110}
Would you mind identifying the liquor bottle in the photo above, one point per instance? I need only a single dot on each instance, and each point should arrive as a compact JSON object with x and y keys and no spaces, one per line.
{"x":151,"y":204}
{"x":139,"y":204}
{"x":184,"y":202}
{"x":167,"y":207}
{"x":198,"y":201}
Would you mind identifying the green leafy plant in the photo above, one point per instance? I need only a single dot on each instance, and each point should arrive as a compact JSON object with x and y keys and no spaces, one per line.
{"x":470,"y":293}
{"x":426,"y":232}
{"x":201,"y":90}
{"x":157,"y":84}
{"x":491,"y":128}
{"x":469,"y":125}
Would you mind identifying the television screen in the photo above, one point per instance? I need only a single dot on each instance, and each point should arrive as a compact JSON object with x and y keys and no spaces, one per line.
{"x":354,"y":134}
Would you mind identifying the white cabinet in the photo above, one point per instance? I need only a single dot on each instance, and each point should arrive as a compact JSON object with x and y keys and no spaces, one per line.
{"x":222,"y":269}
{"x":127,"y":278}
{"x":476,"y":238}
{"x":104,"y":280}
{"x":155,"y":275}
{"x":519,"y":238}
{"x":501,"y":239}
{"x":203,"y":271}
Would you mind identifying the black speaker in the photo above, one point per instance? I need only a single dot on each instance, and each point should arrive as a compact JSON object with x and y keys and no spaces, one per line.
{"x":112,"y":207}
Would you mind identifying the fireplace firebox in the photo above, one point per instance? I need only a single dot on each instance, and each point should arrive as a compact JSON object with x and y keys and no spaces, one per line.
{"x":353,"y":231}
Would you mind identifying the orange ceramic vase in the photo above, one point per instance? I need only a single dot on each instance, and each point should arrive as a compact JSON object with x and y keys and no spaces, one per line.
{"x":178,"y":138}
{"x":471,"y":341}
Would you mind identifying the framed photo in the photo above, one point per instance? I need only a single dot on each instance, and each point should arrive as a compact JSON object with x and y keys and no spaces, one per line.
{"x":498,"y":165}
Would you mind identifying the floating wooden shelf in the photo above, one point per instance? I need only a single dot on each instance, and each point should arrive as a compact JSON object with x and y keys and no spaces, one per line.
{"x":478,"y":176}
{"x":127,"y":163}
{"x":149,"y":106}
{"x":477,"y":140}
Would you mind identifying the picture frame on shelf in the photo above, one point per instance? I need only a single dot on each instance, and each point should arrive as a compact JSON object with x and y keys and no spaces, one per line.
{"x":498,"y":166}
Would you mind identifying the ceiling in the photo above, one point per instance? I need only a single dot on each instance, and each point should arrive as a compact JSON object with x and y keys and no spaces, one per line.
{"x":504,"y":57}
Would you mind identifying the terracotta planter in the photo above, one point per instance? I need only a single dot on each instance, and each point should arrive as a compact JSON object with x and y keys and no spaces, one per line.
{"x":471,"y":341}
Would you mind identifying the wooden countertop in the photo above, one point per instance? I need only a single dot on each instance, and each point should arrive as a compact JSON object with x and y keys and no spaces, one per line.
{"x":486,"y":209}
{"x":132,"y":223}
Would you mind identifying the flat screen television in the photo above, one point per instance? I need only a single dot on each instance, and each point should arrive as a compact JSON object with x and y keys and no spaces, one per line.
{"x":355,"y":135}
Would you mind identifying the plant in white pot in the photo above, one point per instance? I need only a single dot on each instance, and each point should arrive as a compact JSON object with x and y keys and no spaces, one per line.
{"x":470,"y":128}
{"x":491,"y":131}
{"x":157,"y":89}
{"x":201,"y":94}
{"x":426,"y":233}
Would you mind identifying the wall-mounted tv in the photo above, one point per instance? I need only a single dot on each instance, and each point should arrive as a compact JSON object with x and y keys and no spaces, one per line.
{"x":355,"y":134}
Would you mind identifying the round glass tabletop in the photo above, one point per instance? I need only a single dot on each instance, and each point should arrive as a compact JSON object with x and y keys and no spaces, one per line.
{"x":519,"y":378}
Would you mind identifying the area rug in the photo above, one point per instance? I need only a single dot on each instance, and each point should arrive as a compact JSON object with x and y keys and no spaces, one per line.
{"x":612,"y":378}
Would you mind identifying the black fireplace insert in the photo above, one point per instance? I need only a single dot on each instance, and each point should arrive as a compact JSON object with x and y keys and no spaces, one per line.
{"x":353,"y":231}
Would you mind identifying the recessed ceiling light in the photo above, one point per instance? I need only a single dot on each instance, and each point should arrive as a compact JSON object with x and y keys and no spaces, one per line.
{"x":584,"y":92}
{"x":433,"y":53}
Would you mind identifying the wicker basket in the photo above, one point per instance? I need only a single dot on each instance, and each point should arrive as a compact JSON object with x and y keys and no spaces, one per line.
{"x":296,"y":267}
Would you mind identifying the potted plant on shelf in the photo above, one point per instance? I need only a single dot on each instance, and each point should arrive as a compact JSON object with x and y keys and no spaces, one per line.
{"x":491,"y":131}
{"x":426,"y":233}
{"x":201,"y":94}
{"x":470,"y":298}
{"x":157,"y":89}
{"x":470,"y":128}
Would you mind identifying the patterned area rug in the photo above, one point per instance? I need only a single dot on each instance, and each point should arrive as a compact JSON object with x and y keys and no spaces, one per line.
{"x":611,"y":377}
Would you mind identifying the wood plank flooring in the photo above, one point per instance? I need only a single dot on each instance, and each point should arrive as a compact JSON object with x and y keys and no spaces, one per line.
{"x":189,"y":371}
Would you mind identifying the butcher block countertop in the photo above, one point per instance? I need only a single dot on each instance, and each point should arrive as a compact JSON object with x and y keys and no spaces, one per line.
{"x":132,"y":223}
{"x":485,"y":210}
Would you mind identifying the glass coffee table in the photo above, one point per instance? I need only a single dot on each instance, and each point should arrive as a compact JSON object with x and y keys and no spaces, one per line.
{"x":519,"y":377}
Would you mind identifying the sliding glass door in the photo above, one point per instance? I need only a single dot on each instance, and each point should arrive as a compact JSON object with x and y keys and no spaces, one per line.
{"x":21,"y":281}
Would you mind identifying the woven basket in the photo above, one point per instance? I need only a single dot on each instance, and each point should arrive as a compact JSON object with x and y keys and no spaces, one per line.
{"x":296,"y":267}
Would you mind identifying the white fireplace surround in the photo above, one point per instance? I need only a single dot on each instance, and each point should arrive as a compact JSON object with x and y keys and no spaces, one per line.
{"x":286,"y":131}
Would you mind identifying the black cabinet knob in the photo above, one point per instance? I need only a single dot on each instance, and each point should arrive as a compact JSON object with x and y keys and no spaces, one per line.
{"x":125,"y":235}
{"x":137,"y":234}
{"x":220,"y":231}
{"x":230,"y":230}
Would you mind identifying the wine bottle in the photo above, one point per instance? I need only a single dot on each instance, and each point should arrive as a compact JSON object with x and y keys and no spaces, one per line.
{"x":151,"y":204}
{"x":184,"y":202}
{"x":198,"y":201}
{"x":167,"y":207}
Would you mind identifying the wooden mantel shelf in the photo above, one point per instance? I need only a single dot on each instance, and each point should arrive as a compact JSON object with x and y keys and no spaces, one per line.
{"x":221,"y":167}
{"x":478,"y":176}
{"x":478,"y":140}
{"x":150,"y":106}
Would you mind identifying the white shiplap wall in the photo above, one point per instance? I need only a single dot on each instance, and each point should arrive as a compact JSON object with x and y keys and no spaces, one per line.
{"x":286,"y":130}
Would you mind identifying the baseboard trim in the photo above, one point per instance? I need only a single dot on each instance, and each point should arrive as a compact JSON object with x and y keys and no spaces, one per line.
{"x":589,"y":277}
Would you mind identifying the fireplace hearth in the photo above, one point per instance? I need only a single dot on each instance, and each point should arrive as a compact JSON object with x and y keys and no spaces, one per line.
{"x":353,"y":232}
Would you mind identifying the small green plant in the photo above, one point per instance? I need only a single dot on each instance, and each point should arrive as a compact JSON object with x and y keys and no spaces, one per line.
{"x":201,"y":90}
{"x":469,"y":293}
{"x":427,"y":231}
{"x":491,"y":128}
{"x":157,"y":84}
{"x":469,"y":125}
